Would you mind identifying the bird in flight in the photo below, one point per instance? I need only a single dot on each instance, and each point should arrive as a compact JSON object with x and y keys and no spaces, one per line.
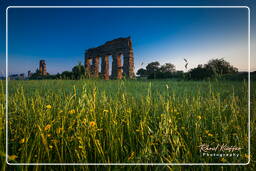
{"x":186,"y":65}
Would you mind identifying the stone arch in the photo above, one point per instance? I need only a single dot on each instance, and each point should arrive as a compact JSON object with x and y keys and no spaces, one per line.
{"x":116,"y":48}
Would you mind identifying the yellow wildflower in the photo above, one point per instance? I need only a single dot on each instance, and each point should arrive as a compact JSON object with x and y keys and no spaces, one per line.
{"x":22,"y":141}
{"x":59,"y":130}
{"x":223,"y":160}
{"x":80,"y":147}
{"x":92,"y":123}
{"x":48,"y":106}
{"x":72,"y":111}
{"x":105,"y":110}
{"x":210,"y":135}
{"x":12,"y":157}
{"x":50,"y":146}
{"x":199,"y":117}
{"x":49,"y":135}
{"x":47,"y":127}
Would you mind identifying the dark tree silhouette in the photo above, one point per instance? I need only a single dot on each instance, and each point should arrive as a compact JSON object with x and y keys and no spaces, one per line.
{"x":167,"y":68}
{"x":220,"y":67}
{"x":142,"y":72}
{"x":78,"y":71}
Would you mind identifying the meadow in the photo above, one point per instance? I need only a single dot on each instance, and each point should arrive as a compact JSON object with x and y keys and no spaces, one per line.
{"x":124,"y":121}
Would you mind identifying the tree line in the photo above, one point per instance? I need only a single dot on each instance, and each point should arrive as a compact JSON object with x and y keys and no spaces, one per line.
{"x":214,"y":68}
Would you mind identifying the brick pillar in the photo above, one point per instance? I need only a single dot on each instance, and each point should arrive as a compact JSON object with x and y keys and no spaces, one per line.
{"x":116,"y":66}
{"x":88,"y":67}
{"x":129,"y":64}
{"x":105,"y":67}
{"x":95,"y":66}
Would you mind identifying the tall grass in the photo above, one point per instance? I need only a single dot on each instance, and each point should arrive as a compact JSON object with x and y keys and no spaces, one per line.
{"x":96,"y":121}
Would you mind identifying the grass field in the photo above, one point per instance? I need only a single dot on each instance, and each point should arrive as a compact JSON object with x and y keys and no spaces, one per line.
{"x":97,"y":121}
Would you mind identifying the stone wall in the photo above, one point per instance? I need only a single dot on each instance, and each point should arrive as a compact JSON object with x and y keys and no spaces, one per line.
{"x":42,"y":67}
{"x":115,"y":48}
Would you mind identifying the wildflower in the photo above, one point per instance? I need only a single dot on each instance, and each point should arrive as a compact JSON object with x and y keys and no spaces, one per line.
{"x":50,"y":146}
{"x":223,"y":160}
{"x":59,"y":130}
{"x":12,"y":157}
{"x":199,"y":117}
{"x":47,"y":127}
{"x":72,"y":111}
{"x":92,"y":123}
{"x":210,"y":135}
{"x":48,"y":106}
{"x":22,"y":141}
{"x":49,"y":135}
{"x":80,"y":147}
{"x":105,"y":110}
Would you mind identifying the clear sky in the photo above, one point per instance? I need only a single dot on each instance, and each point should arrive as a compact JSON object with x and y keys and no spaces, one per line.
{"x":60,"y":36}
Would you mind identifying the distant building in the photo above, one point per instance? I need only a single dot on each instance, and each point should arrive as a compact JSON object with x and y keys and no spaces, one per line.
{"x":29,"y":74}
{"x":42,"y":67}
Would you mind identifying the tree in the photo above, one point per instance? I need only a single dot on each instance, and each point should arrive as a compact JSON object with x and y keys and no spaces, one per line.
{"x":67,"y":75}
{"x":142,"y":72}
{"x":167,"y":68}
{"x":78,"y":71}
{"x":152,"y":69}
{"x":220,"y":67}
{"x":200,"y":73}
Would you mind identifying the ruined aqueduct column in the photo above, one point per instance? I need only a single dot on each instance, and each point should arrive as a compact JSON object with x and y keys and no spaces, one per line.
{"x":88,"y":66}
{"x":116,"y":66}
{"x":116,"y":48}
{"x":129,"y":63}
{"x":105,"y":67}
{"x":95,"y":66}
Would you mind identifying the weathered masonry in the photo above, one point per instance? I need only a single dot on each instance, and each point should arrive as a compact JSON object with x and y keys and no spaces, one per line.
{"x":42,"y":67}
{"x":115,"y":48}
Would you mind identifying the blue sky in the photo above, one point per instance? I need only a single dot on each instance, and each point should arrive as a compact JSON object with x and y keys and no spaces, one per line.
{"x":60,"y":36}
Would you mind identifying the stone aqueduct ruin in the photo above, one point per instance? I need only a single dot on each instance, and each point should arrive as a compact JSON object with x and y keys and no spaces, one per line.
{"x":115,"y":48}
